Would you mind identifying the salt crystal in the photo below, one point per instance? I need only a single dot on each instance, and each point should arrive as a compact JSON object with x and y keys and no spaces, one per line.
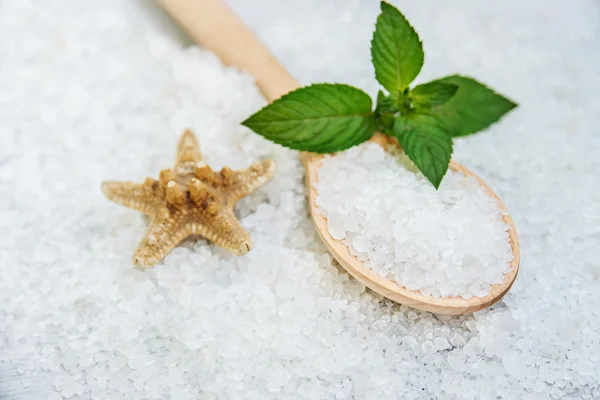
{"x":70,"y":360}
{"x":373,"y":155}
{"x":456,"y":363}
{"x":355,"y":287}
{"x":441,"y":344}
{"x":177,"y":393}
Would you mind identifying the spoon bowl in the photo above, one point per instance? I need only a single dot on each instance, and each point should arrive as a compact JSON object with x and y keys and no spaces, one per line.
{"x":214,"y":25}
{"x":388,"y":288}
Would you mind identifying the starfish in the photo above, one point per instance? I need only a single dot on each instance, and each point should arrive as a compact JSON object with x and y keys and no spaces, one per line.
{"x":190,"y":199}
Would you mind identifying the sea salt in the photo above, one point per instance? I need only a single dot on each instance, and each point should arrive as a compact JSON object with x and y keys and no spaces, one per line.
{"x":446,"y":242}
{"x":102,"y":90}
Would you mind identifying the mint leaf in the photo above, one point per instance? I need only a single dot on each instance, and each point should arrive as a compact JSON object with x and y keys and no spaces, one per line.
{"x":474,"y":107}
{"x":425,"y":141}
{"x":396,"y":50}
{"x":321,"y":118}
{"x":380,"y":97}
{"x":432,"y":94}
{"x":385,"y":112}
{"x":387,"y":104}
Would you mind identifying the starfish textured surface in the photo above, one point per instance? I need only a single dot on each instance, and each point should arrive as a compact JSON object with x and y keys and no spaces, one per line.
{"x":190,"y":199}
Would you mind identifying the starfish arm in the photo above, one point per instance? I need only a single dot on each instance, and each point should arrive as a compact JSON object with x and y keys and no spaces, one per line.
{"x":223,"y":229}
{"x":143,"y":197}
{"x":243,"y":182}
{"x":188,"y":149}
{"x":161,"y":237}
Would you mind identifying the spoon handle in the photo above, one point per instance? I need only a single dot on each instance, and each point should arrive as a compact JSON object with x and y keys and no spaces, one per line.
{"x":213,"y":24}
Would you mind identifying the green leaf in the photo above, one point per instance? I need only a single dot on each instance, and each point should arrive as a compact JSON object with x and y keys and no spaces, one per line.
{"x":385,"y":124}
{"x":380,"y":97}
{"x":385,"y":112}
{"x":473,"y":108}
{"x":387,"y":104}
{"x":321,"y":118}
{"x":425,"y":141}
{"x":432,"y":94}
{"x":396,"y":50}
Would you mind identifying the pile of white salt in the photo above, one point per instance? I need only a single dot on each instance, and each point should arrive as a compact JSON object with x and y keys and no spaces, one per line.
{"x":446,"y":242}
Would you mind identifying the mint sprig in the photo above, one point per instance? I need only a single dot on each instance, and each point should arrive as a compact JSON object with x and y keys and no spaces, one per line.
{"x":326,"y":118}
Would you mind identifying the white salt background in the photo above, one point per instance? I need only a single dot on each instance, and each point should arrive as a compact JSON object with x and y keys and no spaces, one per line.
{"x":93,"y":90}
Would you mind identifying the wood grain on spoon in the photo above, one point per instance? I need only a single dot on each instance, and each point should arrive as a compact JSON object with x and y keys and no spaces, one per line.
{"x":214,"y":25}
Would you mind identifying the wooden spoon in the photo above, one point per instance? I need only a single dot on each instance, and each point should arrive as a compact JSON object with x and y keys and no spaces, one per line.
{"x":214,"y":25}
